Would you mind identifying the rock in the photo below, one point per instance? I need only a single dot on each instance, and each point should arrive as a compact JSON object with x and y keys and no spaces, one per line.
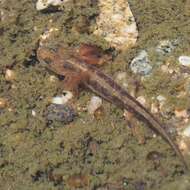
{"x":166,"y":46}
{"x":60,"y":113}
{"x":95,"y":103}
{"x":184,"y":60}
{"x":44,"y":4}
{"x":141,"y":64}
{"x":116,"y":24}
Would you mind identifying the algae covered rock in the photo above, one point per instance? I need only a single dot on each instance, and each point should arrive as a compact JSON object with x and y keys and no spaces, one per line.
{"x":116,"y":24}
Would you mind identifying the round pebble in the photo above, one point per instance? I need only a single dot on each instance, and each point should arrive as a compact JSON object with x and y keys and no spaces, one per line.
{"x":10,"y":75}
{"x":141,"y":64}
{"x":60,"y":112}
{"x":166,"y":46}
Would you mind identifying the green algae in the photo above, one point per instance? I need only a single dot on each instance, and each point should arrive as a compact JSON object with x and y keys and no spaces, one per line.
{"x":30,"y":151}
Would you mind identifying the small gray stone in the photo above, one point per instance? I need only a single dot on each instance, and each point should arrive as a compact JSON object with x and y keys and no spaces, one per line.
{"x":141,"y":64}
{"x":60,"y":112}
{"x":166,"y":46}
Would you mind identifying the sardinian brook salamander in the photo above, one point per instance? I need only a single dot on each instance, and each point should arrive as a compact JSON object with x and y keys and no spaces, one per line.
{"x":82,"y":69}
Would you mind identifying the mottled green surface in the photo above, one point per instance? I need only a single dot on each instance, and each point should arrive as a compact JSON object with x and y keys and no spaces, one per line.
{"x":31,"y":153}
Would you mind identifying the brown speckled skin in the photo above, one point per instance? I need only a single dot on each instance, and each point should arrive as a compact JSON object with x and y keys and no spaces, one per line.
{"x":79,"y":70}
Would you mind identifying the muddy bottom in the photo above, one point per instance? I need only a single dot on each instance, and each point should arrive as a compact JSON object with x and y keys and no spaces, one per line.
{"x":88,"y":153}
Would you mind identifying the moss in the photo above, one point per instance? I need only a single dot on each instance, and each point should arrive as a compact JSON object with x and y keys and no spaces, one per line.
{"x":30,"y":151}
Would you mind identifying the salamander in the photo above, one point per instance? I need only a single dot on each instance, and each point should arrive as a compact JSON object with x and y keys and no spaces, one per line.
{"x":77,"y":70}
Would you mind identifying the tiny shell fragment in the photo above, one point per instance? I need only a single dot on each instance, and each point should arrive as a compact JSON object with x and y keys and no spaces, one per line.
{"x":116,"y":24}
{"x":60,"y":112}
{"x":63,"y":99}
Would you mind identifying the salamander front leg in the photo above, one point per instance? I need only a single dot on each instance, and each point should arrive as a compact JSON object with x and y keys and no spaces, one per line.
{"x":73,"y":81}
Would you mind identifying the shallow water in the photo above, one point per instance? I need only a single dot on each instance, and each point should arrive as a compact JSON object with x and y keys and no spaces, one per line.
{"x":34,"y":156}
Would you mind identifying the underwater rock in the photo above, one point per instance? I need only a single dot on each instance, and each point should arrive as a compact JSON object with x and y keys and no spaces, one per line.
{"x":116,"y":24}
{"x":60,"y":113}
{"x":184,"y":60}
{"x":95,"y":103}
{"x":166,"y":46}
{"x":43,"y":4}
{"x":141,"y":64}
{"x":33,"y":113}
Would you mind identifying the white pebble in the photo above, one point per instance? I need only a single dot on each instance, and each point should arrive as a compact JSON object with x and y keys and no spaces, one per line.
{"x":43,"y":4}
{"x":184,"y":60}
{"x":33,"y":113}
{"x":63,"y":99}
{"x":186,"y":131}
{"x":95,"y":103}
{"x":161,"y":98}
